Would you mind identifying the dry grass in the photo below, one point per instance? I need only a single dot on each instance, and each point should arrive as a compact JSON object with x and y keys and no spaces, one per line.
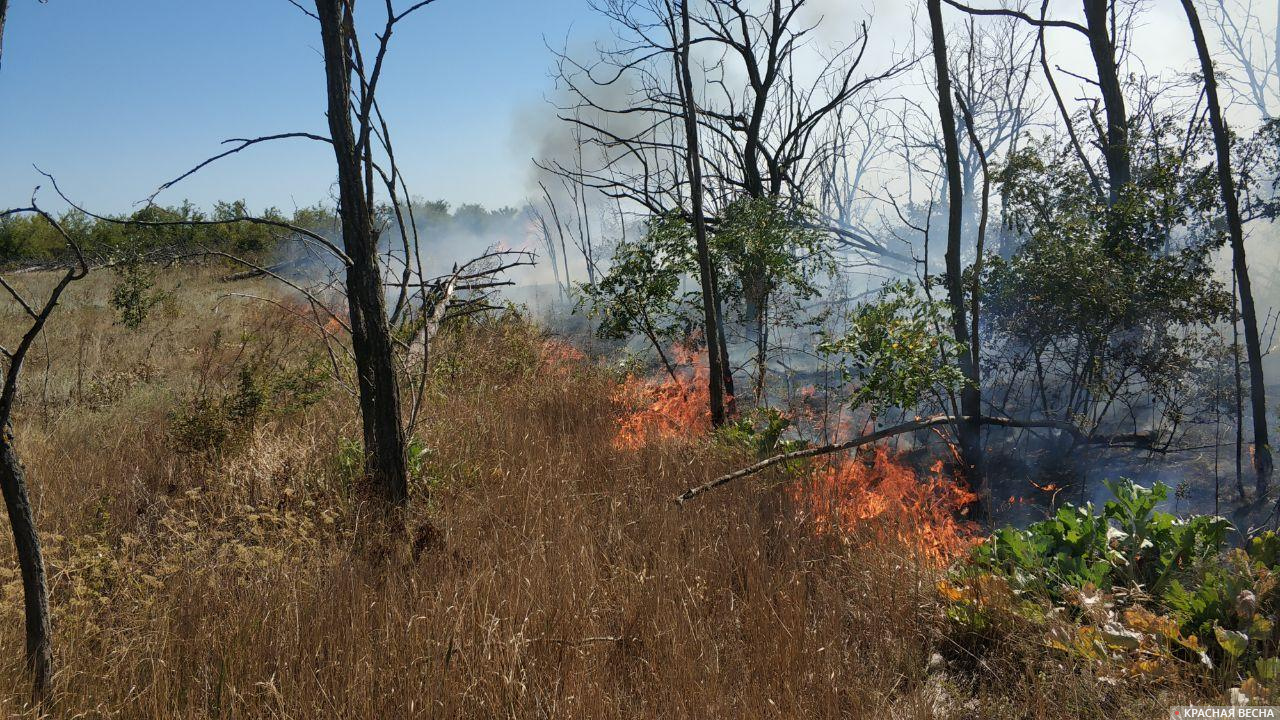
{"x":547,"y":575}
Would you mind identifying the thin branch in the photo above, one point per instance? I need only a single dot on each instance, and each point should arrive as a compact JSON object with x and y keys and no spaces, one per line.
{"x":244,"y":144}
{"x":251,"y":220}
{"x":1004,"y":12}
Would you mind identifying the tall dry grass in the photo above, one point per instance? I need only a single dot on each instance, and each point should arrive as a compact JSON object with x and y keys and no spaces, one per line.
{"x":541,"y":572}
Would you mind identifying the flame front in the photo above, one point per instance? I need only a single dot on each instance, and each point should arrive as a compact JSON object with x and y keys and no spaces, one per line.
{"x":879,"y":497}
{"x":675,"y":407}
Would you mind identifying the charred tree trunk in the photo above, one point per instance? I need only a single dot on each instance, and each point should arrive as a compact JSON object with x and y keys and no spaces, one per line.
{"x":1262,"y":461}
{"x":372,"y":346}
{"x":706,"y":270}
{"x":26,"y":540}
{"x":968,"y":426}
{"x":726,"y":366}
{"x":1115,"y":146}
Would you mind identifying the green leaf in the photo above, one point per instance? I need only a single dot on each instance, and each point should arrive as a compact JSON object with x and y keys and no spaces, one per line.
{"x":1231,"y":641}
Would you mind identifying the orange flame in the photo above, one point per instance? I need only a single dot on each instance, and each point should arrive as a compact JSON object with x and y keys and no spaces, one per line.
{"x":880,"y":497}
{"x":665,"y":409}
{"x":558,"y":353}
{"x":333,"y":327}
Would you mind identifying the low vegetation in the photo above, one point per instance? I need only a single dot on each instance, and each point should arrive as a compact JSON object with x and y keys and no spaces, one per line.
{"x":544,"y":570}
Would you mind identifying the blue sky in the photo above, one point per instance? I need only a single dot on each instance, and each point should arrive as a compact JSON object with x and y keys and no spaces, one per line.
{"x":114,"y":97}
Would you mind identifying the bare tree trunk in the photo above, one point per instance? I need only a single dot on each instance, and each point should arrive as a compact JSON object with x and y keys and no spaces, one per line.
{"x":372,"y":346}
{"x":13,"y":485}
{"x":975,"y":289}
{"x":1262,"y":462}
{"x":1115,"y":146}
{"x":968,"y":427}
{"x":31,"y":563}
{"x":711,"y":316}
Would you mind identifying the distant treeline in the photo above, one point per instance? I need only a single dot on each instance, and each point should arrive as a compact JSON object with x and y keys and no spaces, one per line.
{"x":29,"y":239}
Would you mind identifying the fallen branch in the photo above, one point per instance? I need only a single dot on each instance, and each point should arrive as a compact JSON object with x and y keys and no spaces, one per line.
{"x":929,"y":422}
{"x":259,"y":272}
{"x":920,"y":424}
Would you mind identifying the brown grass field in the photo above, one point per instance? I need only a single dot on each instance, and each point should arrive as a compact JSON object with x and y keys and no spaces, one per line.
{"x":541,"y":572}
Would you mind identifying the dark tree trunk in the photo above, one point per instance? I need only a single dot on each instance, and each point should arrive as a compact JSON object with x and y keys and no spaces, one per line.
{"x":1262,"y":462}
{"x":969,"y":427}
{"x":762,"y":352}
{"x":1115,"y":146}
{"x":726,"y":366}
{"x":372,"y":346}
{"x":706,"y":270}
{"x":4,"y":11}
{"x":31,"y":562}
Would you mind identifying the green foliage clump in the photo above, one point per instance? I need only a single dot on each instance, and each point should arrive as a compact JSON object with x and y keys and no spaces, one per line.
{"x":1128,"y":544}
{"x":134,"y":294}
{"x":895,"y":350}
{"x":761,"y":431}
{"x":641,"y":292}
{"x":210,"y":424}
{"x":768,"y":250}
{"x":151,"y":229}
{"x":1110,"y":304}
{"x":1135,"y":591}
{"x":350,"y":459}
{"x":763,"y":250}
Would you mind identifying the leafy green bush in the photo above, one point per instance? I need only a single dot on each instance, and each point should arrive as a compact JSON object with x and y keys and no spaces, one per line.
{"x":350,"y":460}
{"x":1129,"y":543}
{"x":210,"y":424}
{"x":894,"y":352}
{"x":1136,"y":590}
{"x":134,"y":294}
{"x":761,"y":431}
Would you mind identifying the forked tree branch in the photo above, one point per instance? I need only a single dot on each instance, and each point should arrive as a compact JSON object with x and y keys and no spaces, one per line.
{"x":15,"y":357}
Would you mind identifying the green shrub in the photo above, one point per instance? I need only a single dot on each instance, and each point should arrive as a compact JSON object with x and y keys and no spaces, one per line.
{"x":212,"y":424}
{"x":134,"y":294}
{"x":1138,"y":588}
{"x":1128,"y":543}
{"x":761,"y":431}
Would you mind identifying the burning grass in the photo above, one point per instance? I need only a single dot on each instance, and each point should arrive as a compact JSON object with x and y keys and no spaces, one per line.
{"x":875,"y":498}
{"x":670,"y":408}
{"x":878,"y":497}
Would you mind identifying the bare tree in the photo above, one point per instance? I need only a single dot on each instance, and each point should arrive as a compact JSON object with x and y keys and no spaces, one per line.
{"x":993,"y":78}
{"x":384,"y":438}
{"x":1262,"y":461}
{"x":1115,"y":139}
{"x":13,"y":481}
{"x":1253,"y":72}
{"x":369,"y":263}
{"x":1101,"y":31}
{"x":765,"y":129}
